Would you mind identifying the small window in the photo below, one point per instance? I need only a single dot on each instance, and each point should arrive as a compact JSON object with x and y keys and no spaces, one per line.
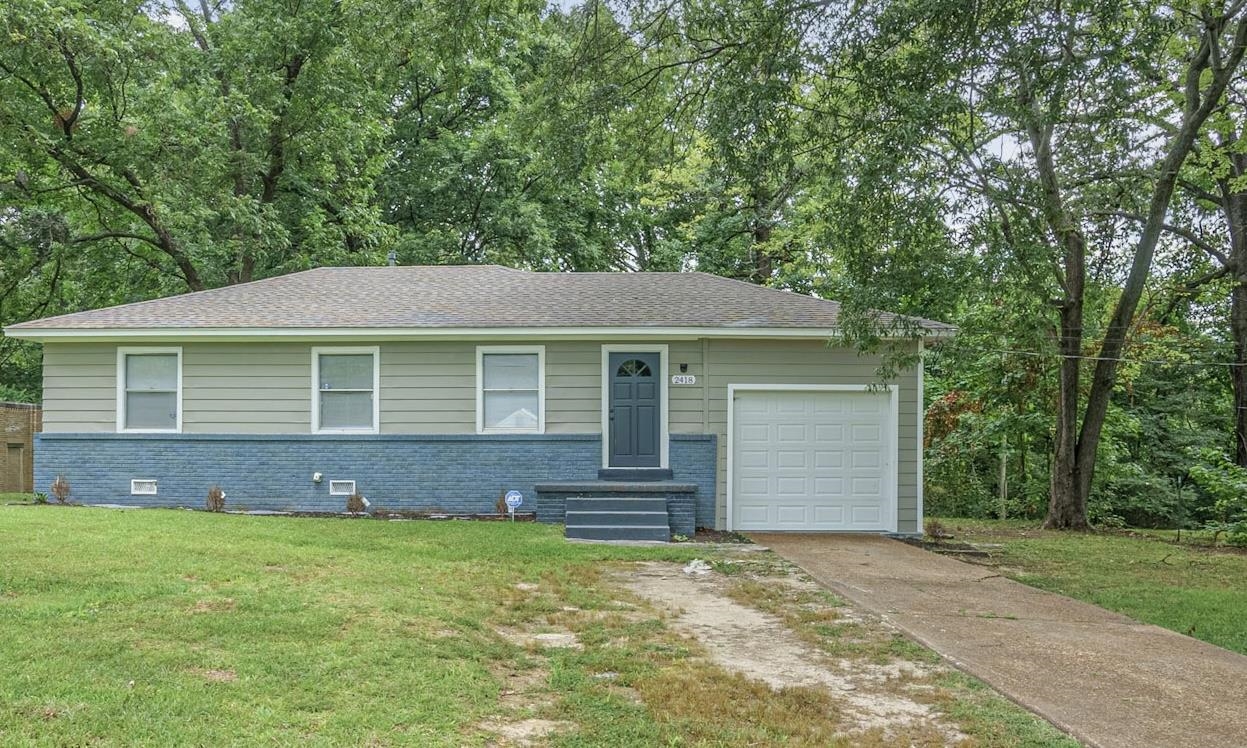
{"x":345,"y":382}
{"x":143,"y":487}
{"x":341,"y":488}
{"x":149,"y":389}
{"x":634,"y":368}
{"x":510,"y":389}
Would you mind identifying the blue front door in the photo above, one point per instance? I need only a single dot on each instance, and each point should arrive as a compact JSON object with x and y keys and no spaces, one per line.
{"x":635,"y":409}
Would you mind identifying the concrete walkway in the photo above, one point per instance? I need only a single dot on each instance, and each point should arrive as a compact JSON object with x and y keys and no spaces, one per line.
{"x":1104,"y":678}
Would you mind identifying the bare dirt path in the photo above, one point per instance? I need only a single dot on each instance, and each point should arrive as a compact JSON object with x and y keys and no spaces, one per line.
{"x":1106,"y":679}
{"x":740,"y":638}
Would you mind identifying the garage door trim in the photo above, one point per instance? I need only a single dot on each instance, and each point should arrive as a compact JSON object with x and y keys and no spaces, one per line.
{"x":893,"y":447}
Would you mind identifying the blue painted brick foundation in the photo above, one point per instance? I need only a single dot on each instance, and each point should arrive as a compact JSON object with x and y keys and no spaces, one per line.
{"x":453,"y":474}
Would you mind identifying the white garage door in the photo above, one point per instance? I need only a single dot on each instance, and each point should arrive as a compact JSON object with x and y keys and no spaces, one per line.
{"x":813,"y":460}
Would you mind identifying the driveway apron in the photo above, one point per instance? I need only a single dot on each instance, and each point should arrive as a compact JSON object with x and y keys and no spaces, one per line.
{"x":1102,"y":677}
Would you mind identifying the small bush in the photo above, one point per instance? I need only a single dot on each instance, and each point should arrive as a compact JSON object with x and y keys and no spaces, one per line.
{"x":60,"y":489}
{"x":41,"y":497}
{"x":355,"y":503}
{"x":216,"y":499}
{"x":935,"y":530}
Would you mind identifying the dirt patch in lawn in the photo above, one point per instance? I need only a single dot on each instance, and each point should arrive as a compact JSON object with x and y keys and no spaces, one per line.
{"x":525,"y":732}
{"x":216,"y":676}
{"x":873,"y":691}
{"x":221,"y":605}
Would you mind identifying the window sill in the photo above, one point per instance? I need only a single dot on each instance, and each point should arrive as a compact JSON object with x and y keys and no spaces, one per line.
{"x":341,"y":432}
{"x":149,"y":431}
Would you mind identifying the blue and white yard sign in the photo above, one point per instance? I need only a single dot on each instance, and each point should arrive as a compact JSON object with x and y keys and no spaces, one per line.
{"x":514,"y":499}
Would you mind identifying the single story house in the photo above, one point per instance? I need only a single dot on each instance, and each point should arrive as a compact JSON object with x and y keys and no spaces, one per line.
{"x":441,"y":388}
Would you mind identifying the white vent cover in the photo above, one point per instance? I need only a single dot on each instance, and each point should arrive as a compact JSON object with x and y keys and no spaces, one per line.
{"x":143,"y":487}
{"x":341,"y":487}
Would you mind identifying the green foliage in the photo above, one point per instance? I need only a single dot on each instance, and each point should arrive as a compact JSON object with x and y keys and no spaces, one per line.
{"x":1226,"y":483}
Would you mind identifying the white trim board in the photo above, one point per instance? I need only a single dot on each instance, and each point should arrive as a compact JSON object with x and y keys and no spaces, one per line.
{"x":893,"y":477}
{"x":347,"y":334}
{"x":317,"y":351}
{"x":481,"y":351}
{"x":122,"y":352}
{"x":664,"y":435}
{"x":922,"y":417}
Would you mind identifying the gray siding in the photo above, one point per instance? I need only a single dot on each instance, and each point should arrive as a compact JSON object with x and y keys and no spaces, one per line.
{"x":429,"y":388}
{"x":79,"y":387}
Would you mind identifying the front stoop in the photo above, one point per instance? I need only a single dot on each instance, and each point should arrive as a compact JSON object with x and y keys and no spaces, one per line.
{"x":617,"y":518}
{"x":619,"y":510}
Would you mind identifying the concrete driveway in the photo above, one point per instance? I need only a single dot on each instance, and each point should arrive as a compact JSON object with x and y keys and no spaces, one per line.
{"x":1104,"y":678}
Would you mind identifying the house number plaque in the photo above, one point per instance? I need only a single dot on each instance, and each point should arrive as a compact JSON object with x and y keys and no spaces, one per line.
{"x":683,"y":379}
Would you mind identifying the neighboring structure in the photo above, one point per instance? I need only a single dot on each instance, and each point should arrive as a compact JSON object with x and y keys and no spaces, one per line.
{"x":440,"y":388}
{"x":19,"y":422}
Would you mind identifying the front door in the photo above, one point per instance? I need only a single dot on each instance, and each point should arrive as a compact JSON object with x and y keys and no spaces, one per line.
{"x":635,"y":409}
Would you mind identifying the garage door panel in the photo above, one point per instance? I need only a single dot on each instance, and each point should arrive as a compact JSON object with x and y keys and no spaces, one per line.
{"x":754,"y":514}
{"x":796,"y":433}
{"x":755,"y":433}
{"x":790,"y":485}
{"x":867,"y":515}
{"x":866,"y":459}
{"x":754,"y":458}
{"x":812,"y":460}
{"x":829,"y":515}
{"x":829,"y":432}
{"x":754,"y":485}
{"x":866,"y":487}
{"x":789,"y":458}
{"x":791,"y":514}
{"x":866,"y":432}
{"x":829,"y":488}
{"x":827,"y":460}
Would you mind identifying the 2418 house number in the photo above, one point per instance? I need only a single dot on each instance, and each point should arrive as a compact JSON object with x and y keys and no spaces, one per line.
{"x":683,"y":379}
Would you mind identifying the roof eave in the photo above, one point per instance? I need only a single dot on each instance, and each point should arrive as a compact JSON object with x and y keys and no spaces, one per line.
{"x":231,"y":334}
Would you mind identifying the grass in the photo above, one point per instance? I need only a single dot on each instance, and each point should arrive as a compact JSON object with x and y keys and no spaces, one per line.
{"x":174,"y":627}
{"x":17,"y":498}
{"x":184,"y":627}
{"x":1193,"y":590}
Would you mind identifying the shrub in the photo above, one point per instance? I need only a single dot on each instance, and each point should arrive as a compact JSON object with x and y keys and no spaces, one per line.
{"x":935,"y":530}
{"x":41,"y":497}
{"x":355,"y":503}
{"x":216,"y":499}
{"x":1226,"y":483}
{"x":60,"y":489}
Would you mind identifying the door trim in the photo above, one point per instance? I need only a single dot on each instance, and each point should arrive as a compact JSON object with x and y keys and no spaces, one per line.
{"x":891,"y":479}
{"x":663,"y":433}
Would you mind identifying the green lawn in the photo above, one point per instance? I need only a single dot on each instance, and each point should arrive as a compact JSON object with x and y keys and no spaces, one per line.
{"x":1196,"y":591}
{"x":174,"y":626}
{"x":164,"y":627}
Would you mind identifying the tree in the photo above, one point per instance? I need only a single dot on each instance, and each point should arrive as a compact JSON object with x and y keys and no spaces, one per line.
{"x":1053,"y":116}
{"x":227,"y":145}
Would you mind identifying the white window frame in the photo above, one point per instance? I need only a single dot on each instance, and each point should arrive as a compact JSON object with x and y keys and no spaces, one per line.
{"x":122,"y":352}
{"x":341,"y":493}
{"x":481,"y":352}
{"x":664,"y":430}
{"x":375,"y":351}
{"x":134,"y":491}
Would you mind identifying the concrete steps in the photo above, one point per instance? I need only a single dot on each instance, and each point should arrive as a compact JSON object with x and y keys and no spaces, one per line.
{"x":617,"y":518}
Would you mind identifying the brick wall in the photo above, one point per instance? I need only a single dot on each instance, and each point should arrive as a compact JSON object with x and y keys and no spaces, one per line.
{"x":454,"y":474}
{"x":19,"y":422}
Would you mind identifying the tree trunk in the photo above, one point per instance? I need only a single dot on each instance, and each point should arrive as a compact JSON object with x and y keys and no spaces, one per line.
{"x":1238,"y":372}
{"x":1067,"y":503}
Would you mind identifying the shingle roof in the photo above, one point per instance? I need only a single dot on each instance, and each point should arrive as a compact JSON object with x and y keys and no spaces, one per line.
{"x":469,"y":296}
